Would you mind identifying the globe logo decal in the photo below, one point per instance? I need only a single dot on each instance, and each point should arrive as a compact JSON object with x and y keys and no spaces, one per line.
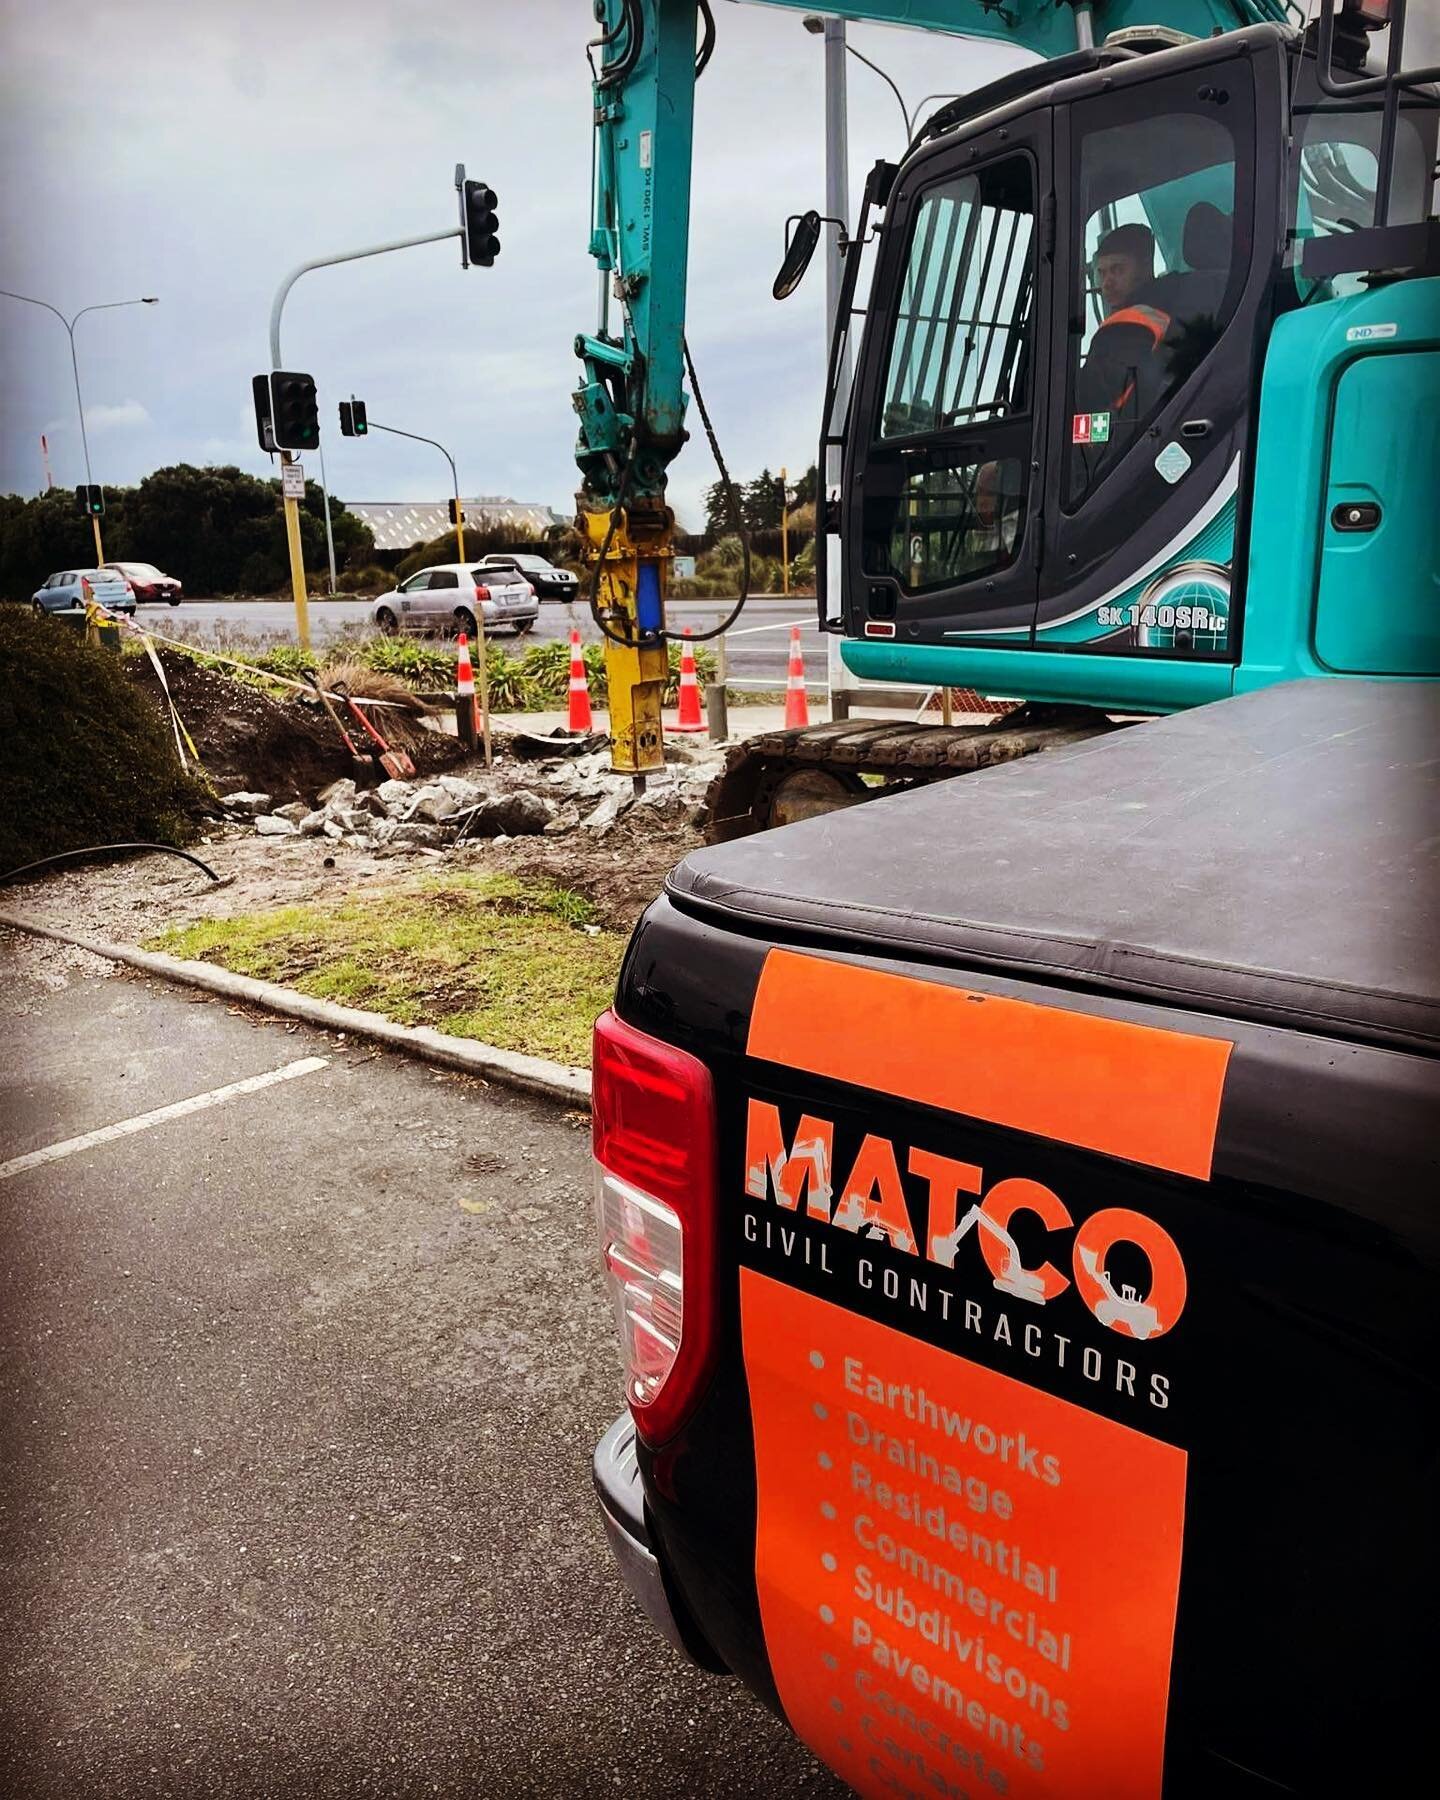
{"x":1186,"y":608}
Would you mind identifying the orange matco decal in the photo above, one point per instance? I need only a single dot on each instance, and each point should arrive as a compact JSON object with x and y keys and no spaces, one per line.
{"x":1132,"y":1091}
{"x":967,"y":1586}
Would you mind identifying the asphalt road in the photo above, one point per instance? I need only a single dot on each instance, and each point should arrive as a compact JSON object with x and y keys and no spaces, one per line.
{"x":300,"y":1391}
{"x":757,"y":648}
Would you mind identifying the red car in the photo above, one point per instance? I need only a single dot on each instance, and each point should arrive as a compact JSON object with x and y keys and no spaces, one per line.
{"x":148,"y":582}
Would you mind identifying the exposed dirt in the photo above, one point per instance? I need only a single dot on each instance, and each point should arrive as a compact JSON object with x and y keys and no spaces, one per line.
{"x":620,"y":872}
{"x":286,"y":748}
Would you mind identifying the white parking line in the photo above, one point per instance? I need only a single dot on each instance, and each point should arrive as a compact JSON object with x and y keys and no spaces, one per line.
{"x":143,"y":1121}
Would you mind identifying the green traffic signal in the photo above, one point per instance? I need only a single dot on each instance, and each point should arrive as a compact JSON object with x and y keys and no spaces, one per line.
{"x":294,"y":410}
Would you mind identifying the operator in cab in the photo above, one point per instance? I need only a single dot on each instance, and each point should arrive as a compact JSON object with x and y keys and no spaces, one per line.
{"x":1121,"y":367}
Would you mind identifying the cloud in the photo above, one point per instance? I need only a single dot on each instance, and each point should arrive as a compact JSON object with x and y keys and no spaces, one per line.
{"x":125,"y":416}
{"x":205,"y":178}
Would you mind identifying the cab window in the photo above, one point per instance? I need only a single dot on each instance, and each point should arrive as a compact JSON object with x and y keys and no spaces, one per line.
{"x":945,"y":498}
{"x":1159,"y":272}
{"x":1337,"y":176}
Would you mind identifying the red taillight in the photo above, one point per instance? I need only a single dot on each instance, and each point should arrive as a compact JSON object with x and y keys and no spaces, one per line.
{"x":653,"y":1126}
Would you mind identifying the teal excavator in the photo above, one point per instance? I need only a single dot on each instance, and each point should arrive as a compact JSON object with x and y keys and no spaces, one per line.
{"x":1145,"y":410}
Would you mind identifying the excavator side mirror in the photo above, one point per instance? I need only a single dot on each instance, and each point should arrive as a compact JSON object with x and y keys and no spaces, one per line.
{"x":798,"y":251}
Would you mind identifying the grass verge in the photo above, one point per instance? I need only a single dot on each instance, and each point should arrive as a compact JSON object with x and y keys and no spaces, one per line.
{"x":519,"y":964}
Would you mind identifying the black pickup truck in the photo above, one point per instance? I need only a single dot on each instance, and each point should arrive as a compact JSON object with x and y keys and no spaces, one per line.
{"x":1020,"y":1200}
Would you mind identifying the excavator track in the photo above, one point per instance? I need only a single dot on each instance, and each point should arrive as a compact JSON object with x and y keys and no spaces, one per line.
{"x":779,"y":777}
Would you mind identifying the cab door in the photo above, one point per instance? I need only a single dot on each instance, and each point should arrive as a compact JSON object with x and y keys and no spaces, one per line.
{"x":1168,"y":186}
{"x":943,"y":512}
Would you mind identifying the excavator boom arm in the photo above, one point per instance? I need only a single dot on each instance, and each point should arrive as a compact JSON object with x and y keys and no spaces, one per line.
{"x":645,"y":60}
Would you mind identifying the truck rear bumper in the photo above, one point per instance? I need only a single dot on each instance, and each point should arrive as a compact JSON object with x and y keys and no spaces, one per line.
{"x":622,"y":1507}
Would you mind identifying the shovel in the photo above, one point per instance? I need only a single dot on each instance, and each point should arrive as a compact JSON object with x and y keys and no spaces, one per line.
{"x":361,"y":764}
{"x":396,"y":763}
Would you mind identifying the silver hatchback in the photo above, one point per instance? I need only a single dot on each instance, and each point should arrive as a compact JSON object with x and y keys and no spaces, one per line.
{"x":449,"y":597}
{"x":74,"y":587}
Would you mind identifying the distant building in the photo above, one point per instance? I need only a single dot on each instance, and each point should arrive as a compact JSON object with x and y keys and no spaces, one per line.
{"x":401,"y":524}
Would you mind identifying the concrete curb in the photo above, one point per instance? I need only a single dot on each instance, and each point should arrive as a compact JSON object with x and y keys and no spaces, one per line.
{"x":530,"y":1074}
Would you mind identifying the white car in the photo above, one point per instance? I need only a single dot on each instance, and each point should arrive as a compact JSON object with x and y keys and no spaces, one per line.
{"x":448,"y":597}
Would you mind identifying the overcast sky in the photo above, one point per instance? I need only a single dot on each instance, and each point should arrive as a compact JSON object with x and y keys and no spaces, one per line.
{"x":199,"y":152}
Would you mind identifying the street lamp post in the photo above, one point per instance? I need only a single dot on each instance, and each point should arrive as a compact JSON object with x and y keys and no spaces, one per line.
{"x":70,"y":324}
{"x":834,"y":30}
{"x":480,"y":647}
{"x":837,"y":206}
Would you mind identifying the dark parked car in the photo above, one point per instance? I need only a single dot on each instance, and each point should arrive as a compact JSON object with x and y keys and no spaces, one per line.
{"x":148,"y":581}
{"x":548,"y":582}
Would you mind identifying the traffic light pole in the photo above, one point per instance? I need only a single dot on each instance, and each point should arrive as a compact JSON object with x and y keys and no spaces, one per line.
{"x":480,"y":656}
{"x":292,"y":508}
{"x":329,"y":534}
{"x":297,"y":561}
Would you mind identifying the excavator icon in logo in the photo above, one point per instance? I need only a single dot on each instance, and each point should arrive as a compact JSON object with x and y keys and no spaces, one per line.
{"x":1014,"y":1278}
{"x":1125,"y":1308}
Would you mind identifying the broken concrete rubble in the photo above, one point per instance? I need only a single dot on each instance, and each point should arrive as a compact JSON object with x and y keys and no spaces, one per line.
{"x":518,"y":814}
{"x":430,"y":804}
{"x":570,"y":788}
{"x":248,"y":806}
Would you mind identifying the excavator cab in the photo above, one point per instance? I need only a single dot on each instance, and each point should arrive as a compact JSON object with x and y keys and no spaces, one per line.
{"x":1055,"y":425}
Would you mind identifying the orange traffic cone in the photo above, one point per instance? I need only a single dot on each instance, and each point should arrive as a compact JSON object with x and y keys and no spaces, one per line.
{"x":465,"y":695}
{"x":797,"y":709}
{"x":688,"y":717}
{"x":580,"y":719}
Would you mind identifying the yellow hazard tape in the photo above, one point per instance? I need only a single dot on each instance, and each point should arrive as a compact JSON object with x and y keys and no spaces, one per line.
{"x":105,"y":616}
{"x":183,"y":739}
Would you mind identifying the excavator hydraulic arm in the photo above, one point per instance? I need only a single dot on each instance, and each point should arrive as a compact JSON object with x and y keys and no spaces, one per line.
{"x":645,"y":59}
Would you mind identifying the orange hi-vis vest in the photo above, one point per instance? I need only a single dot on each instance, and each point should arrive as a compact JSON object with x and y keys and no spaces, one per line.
{"x":1148,"y":318}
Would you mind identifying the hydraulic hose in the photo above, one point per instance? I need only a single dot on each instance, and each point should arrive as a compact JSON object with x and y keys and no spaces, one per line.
{"x":61,"y":856}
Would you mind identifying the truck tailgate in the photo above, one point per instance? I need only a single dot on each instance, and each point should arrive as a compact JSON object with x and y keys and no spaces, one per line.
{"x":1070,"y":1433}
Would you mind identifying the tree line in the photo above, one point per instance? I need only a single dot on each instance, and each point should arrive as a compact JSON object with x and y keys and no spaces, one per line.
{"x":222,"y":531}
{"x":217,"y":530}
{"x":762,"y":502}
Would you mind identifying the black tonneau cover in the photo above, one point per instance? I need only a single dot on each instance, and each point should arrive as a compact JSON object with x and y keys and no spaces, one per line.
{"x":1272,"y":857}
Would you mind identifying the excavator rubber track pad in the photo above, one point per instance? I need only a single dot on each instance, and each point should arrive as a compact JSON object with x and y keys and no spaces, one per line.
{"x":737,"y":802}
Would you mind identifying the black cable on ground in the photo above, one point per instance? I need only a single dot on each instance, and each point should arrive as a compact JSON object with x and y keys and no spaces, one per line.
{"x":102,"y":850}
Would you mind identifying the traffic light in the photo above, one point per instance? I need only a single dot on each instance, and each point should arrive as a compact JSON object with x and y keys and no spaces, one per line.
{"x":352,"y":419}
{"x":454,"y":518}
{"x":294,"y":411}
{"x":260,"y":388}
{"x":481,"y":223}
{"x":91,"y":501}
